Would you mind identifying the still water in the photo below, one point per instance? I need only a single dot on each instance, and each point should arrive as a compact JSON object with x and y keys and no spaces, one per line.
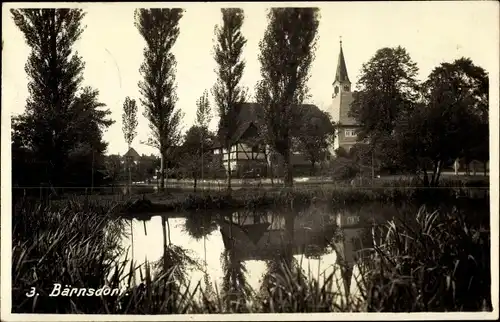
{"x":321,"y":242}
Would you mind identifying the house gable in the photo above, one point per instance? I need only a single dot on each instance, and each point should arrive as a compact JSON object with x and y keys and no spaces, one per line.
{"x":132,"y":153}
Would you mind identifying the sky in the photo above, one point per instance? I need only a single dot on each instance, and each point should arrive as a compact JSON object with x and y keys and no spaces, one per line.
{"x":431,"y":32}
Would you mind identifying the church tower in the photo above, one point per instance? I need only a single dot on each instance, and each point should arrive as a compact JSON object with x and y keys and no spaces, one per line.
{"x":342,"y":97}
{"x":341,"y":82}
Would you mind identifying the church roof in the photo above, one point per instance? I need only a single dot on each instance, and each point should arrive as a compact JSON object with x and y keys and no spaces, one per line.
{"x":346,"y":99}
{"x":341,"y":74}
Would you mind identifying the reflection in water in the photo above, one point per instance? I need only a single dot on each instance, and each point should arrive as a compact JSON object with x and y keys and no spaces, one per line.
{"x":235,"y":288}
{"x":200,"y":224}
{"x":235,"y":253}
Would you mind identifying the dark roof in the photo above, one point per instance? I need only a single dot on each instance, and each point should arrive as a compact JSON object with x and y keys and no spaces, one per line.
{"x":250,"y":115}
{"x":341,"y":74}
{"x":132,"y":153}
{"x":250,"y":112}
{"x":346,"y":99}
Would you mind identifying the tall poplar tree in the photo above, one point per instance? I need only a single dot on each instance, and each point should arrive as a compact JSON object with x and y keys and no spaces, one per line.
{"x":203,"y":118}
{"x":129,"y":125}
{"x":160,"y":30}
{"x":58,"y":110}
{"x":227,"y":91}
{"x":286,"y":54}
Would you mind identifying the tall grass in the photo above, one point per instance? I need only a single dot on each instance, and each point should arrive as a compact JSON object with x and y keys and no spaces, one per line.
{"x":437,"y":260}
{"x":64,"y":245}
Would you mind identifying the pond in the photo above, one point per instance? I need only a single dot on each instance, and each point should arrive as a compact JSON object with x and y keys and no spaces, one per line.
{"x":321,"y":241}
{"x":239,"y":249}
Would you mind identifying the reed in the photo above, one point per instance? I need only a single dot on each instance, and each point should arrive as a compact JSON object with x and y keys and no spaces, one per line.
{"x":435,"y":260}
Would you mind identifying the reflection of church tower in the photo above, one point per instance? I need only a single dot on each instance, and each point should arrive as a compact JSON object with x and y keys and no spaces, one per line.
{"x":342,"y":98}
{"x":347,"y":247}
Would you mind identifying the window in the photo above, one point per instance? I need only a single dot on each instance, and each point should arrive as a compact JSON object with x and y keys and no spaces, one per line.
{"x":336,"y":90}
{"x":350,"y":133}
{"x":346,"y":88}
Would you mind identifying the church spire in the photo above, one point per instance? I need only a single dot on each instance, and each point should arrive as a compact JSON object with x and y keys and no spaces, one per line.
{"x":341,"y":75}
{"x":341,"y":82}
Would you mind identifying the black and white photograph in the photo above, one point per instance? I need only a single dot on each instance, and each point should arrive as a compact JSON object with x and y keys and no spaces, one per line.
{"x":249,"y":160}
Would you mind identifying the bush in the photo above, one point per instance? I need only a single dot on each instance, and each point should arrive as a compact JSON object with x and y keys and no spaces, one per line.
{"x":342,"y":169}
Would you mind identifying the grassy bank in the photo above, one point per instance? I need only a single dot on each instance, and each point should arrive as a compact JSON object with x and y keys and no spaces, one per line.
{"x":144,"y":202}
{"x":435,"y":261}
{"x":298,"y":197}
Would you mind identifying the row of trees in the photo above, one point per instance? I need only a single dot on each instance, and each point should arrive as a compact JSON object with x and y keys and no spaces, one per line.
{"x":408,"y":124}
{"x":284,"y":68}
{"x":52,"y":142}
{"x":421,"y":127}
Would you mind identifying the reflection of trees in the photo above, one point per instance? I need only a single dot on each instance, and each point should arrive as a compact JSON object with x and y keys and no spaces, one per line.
{"x":284,"y":276}
{"x":235,"y":288}
{"x":284,"y":287}
{"x":173,"y":266}
{"x":199,"y":224}
{"x":178,"y":262}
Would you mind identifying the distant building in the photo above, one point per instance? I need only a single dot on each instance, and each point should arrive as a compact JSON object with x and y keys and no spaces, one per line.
{"x":131,"y":155}
{"x":249,"y":154}
{"x":139,"y":160}
{"x":342,"y":97}
{"x":142,"y":166}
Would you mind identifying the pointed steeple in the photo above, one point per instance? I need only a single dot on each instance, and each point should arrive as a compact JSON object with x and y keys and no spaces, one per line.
{"x":341,"y":75}
{"x":341,"y":82}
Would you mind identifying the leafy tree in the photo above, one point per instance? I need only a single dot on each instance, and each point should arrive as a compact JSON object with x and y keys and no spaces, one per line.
{"x":227,"y":91}
{"x":455,"y":100}
{"x":113,"y":169}
{"x":203,"y":118}
{"x":215,"y":168}
{"x":129,"y":120}
{"x":160,"y":30}
{"x":340,"y":152}
{"x":470,"y":83}
{"x":147,"y":167}
{"x":87,"y":133}
{"x":196,"y":152}
{"x":60,"y":115}
{"x":129,"y":125}
{"x":316,"y":134}
{"x":387,"y":89}
{"x":286,"y":54}
{"x":55,"y":76}
{"x":84,"y":167}
{"x":203,"y":111}
{"x":89,"y":119}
